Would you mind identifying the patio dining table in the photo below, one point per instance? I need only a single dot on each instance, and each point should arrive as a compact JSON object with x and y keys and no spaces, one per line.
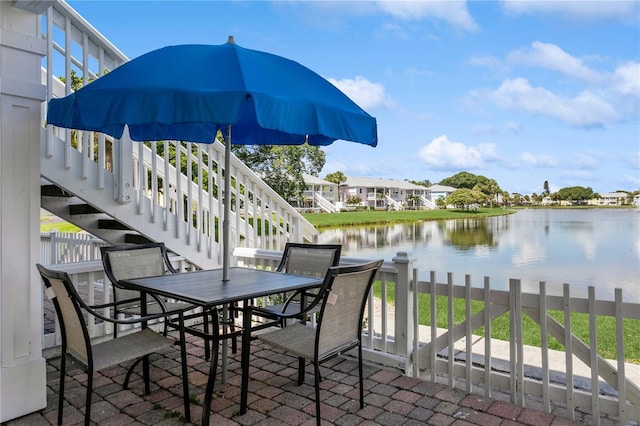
{"x":207,"y":289}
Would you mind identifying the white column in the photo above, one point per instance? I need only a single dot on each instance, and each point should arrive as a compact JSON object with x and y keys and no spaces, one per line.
{"x":22,"y":367}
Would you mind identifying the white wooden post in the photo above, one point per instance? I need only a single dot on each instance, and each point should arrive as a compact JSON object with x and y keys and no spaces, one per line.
{"x":22,"y":367}
{"x":404,"y":331}
{"x":124,"y":168}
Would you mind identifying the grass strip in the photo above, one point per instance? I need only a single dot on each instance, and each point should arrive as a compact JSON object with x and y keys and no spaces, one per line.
{"x":375,"y":217}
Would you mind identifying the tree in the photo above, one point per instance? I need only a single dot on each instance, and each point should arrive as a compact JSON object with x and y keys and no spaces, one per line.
{"x":461,"y":180}
{"x":281,"y":166}
{"x":465,"y":198}
{"x":546,"y":188}
{"x":425,"y":182}
{"x":412,"y":199}
{"x":489,"y":187}
{"x":336,"y":177}
{"x":353,"y":200}
{"x":576,"y":194}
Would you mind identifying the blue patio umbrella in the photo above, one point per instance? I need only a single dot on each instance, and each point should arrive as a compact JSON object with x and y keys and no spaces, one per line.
{"x":189,"y":92}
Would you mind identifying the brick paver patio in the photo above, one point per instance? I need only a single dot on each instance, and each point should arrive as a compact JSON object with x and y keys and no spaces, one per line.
{"x":274,"y":398}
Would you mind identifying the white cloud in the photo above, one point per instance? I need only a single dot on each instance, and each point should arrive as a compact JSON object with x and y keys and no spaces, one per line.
{"x":626,"y":80}
{"x":585,"y":109}
{"x":586,"y":161}
{"x":366,"y":94}
{"x":514,"y":128}
{"x":634,"y":180}
{"x":579,"y":174}
{"x":453,"y":12}
{"x":550,"y":56}
{"x":540,"y":160}
{"x":634,"y":160}
{"x":443,"y":154}
{"x":489,"y":62}
{"x":485,"y":130}
{"x":585,"y":10}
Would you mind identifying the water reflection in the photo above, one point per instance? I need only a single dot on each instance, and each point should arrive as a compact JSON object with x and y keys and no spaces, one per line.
{"x":597,"y":247}
{"x":466,"y":234}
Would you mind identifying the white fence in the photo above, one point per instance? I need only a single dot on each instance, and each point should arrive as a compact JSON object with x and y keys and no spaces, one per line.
{"x":395,"y":337}
{"x":69,"y":247}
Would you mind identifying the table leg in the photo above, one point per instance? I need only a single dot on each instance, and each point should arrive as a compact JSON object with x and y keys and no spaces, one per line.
{"x":246,"y":350}
{"x":225,"y":344}
{"x":208,"y":394}
{"x":185,"y":377}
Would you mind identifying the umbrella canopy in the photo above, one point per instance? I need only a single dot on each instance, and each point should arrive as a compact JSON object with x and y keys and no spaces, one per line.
{"x":189,"y":92}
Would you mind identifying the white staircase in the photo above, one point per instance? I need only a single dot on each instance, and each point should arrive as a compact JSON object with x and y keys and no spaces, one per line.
{"x":393,"y":203}
{"x":324,"y":204}
{"x":126,"y":192}
{"x":428,"y":203}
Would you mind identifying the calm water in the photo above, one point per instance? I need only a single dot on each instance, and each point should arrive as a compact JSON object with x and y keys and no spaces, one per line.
{"x":595,"y":247}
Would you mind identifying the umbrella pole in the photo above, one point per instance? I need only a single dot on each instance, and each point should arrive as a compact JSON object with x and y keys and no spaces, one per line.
{"x":227,"y":206}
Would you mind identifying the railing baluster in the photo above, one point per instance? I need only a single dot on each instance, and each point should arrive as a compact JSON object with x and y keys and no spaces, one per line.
{"x":593,"y":345}
{"x":544,"y":347}
{"x":622,"y":388}
{"x":568,"y":347}
{"x":434,"y":325}
{"x":450,"y":325}
{"x":468,"y":334}
{"x":487,"y":338}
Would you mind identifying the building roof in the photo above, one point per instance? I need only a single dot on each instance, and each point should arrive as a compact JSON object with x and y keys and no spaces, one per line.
{"x":614,"y":195}
{"x":314,"y":180}
{"x":382,"y":183}
{"x":441,"y":188}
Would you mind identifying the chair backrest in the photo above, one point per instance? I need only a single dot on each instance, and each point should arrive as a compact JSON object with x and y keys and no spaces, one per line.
{"x":65,"y":298}
{"x":134,"y":261}
{"x":309,"y":259}
{"x":345,"y":295}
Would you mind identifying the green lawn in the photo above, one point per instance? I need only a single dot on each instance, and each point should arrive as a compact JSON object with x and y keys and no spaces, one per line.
{"x":371,"y":217}
{"x":47,"y":226}
{"x":606,"y":327}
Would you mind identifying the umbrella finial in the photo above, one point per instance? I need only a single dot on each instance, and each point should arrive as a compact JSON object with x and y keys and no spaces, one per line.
{"x":230,"y":40}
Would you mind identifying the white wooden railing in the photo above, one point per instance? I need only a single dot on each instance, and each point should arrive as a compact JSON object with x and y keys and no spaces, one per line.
{"x":325,"y":204}
{"x":69,"y":247}
{"x":393,"y":203}
{"x":576,"y":379}
{"x":428,"y":203}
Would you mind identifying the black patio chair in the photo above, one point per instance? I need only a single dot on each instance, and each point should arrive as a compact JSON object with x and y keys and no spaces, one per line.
{"x":76,"y":341}
{"x":302,"y":259}
{"x":342,"y":299}
{"x":145,"y":260}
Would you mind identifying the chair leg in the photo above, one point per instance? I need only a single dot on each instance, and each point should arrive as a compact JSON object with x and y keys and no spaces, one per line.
{"x":207,"y":349}
{"x":361,"y":376}
{"x":63,"y":375}
{"x":145,"y":374}
{"x":213,"y":368}
{"x":317,"y":386}
{"x":87,"y":412}
{"x":301,"y":371}
{"x":125,"y":385}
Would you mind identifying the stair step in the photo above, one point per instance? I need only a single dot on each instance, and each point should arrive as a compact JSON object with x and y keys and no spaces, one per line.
{"x":112,"y":224}
{"x":82,"y":209}
{"x":136,"y":239}
{"x":53,"y":191}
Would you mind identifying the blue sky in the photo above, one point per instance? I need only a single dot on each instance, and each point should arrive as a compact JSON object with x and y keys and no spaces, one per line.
{"x":517,"y":91}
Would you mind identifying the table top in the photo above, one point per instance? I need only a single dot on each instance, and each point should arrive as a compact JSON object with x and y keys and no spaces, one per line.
{"x":206,"y":288}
